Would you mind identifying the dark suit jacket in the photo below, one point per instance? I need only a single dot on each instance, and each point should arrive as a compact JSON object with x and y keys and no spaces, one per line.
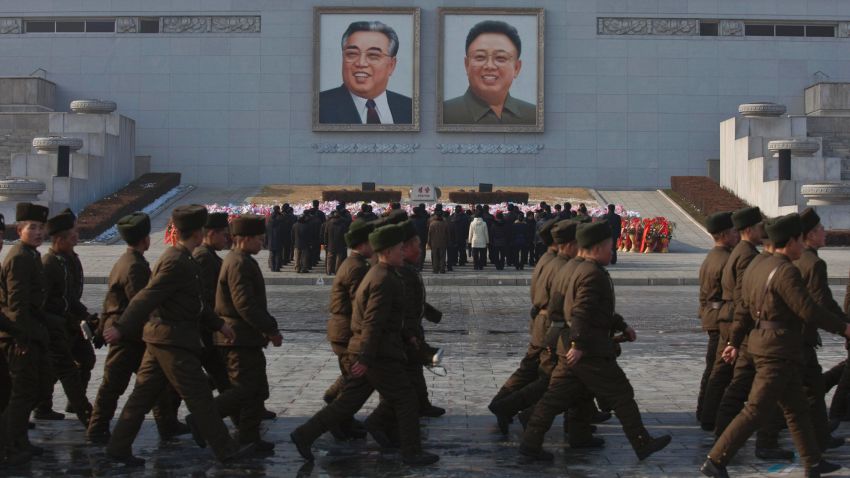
{"x":337,"y":107}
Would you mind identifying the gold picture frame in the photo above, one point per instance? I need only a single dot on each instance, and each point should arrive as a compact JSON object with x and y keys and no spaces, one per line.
{"x":470,"y":124}
{"x":332,"y":109}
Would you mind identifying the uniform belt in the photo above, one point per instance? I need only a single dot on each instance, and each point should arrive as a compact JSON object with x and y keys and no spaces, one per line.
{"x":770,"y":325}
{"x":716,"y":305}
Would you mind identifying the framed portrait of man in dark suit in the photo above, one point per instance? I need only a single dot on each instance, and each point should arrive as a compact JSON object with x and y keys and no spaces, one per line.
{"x":490,"y":70}
{"x":366,"y":69}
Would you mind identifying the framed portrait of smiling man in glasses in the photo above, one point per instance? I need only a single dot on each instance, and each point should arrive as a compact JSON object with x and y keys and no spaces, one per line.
{"x":366,"y":69}
{"x":490,"y":70}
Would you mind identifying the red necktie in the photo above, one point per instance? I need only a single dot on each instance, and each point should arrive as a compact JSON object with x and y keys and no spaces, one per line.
{"x":372,"y":113}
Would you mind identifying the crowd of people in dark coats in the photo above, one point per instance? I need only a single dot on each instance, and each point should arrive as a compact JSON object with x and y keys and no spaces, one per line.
{"x":454,"y":237}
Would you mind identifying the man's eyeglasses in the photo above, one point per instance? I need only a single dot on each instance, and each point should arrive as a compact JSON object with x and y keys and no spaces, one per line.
{"x":372,"y":57}
{"x":499,"y":59}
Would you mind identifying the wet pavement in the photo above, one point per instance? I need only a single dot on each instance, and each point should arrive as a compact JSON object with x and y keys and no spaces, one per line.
{"x":484,"y":334}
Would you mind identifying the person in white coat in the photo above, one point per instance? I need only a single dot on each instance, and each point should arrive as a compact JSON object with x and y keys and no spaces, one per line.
{"x":479,"y":238}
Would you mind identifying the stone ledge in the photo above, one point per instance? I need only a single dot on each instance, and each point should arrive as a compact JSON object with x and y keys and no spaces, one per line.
{"x":798,"y":147}
{"x":761,"y":110}
{"x":93,"y":106}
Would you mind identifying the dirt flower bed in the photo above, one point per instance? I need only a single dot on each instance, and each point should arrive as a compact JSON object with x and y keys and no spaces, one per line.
{"x":706,"y":196}
{"x":104,"y":213}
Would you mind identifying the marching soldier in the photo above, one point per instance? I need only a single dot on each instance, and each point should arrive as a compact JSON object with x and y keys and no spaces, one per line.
{"x":711,"y":305}
{"x":25,"y":347}
{"x":813,"y":270}
{"x":528,"y":367}
{"x":776,"y":299}
{"x":376,"y":358}
{"x":767,"y":437}
{"x":173,"y":299}
{"x":588,"y":364}
{"x":348,"y":277}
{"x":563,"y":234}
{"x":418,"y":352}
{"x":128,"y":276}
{"x":63,"y":312}
{"x":748,"y":223}
{"x":216,"y":238}
{"x":241,"y":303}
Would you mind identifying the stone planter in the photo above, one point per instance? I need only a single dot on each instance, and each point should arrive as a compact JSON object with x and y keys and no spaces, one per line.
{"x":800,"y":147}
{"x":761,"y":110}
{"x":51,"y":144}
{"x":95,"y":107}
{"x":819,"y":194}
{"x":20,"y":189}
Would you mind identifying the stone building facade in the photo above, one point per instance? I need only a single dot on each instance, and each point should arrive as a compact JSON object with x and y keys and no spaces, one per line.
{"x":634,"y":89}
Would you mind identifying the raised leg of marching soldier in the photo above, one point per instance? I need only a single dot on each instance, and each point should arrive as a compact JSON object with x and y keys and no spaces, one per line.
{"x":814,"y":386}
{"x":398,"y":406}
{"x":774,"y":378}
{"x":83,"y":353}
{"x":590,"y":376}
{"x":718,"y":380}
{"x":29,"y":372}
{"x":246,"y":367}
{"x":340,"y":350}
{"x":525,"y":374}
{"x":839,"y":377}
{"x":151,"y":380}
{"x":710,"y":357}
{"x":122,"y":361}
{"x":65,"y":371}
{"x":767,"y":437}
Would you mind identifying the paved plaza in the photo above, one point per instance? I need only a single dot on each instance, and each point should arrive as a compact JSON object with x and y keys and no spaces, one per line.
{"x":484,"y":333}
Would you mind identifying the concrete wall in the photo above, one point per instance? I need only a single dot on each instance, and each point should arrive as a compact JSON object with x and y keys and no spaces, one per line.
{"x":26,"y":95}
{"x":16,"y":133}
{"x":621,"y":111}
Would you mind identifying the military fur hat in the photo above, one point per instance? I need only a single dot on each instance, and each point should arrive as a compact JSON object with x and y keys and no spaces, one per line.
{"x":809,"y":219}
{"x":385,"y":237}
{"x":191,"y":217}
{"x":719,"y":222}
{"x":546,"y":232}
{"x":216,"y":220}
{"x":63,"y":221}
{"x":564,"y":231}
{"x":409,"y":229}
{"x":134,"y":227}
{"x":591,"y":234}
{"x":26,"y":211}
{"x":746,"y":217}
{"x":358,"y":232}
{"x":248,"y":225}
{"x":784,"y":228}
{"x":396,"y":217}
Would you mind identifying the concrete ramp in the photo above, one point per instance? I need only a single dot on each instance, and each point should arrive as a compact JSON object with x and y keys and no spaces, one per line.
{"x":688,"y":235}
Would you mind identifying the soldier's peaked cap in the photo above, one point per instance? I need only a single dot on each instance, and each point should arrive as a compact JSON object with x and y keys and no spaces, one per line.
{"x":134,"y":227}
{"x":564,"y":231}
{"x":216,"y":220}
{"x":386,"y":236}
{"x":746,"y":217}
{"x":719,"y":222}
{"x":189,"y":218}
{"x":784,"y":228}
{"x":248,"y":225}
{"x":358,"y":233}
{"x":591,"y":234}
{"x":809,"y":219}
{"x":63,"y":221}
